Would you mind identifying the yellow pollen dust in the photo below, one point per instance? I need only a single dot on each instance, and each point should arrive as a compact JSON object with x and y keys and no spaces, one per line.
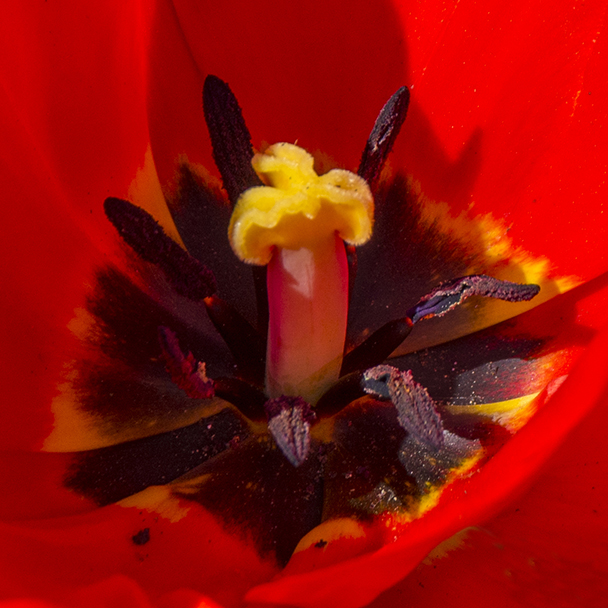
{"x":298,"y":207}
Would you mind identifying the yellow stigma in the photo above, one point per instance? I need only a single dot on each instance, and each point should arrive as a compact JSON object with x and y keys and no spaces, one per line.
{"x":299,"y":207}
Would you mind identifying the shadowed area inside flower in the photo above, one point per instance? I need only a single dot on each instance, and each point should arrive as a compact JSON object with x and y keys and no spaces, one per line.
{"x":281,"y":414}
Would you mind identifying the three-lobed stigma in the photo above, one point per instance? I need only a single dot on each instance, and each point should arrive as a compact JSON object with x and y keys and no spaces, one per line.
{"x":298,"y":208}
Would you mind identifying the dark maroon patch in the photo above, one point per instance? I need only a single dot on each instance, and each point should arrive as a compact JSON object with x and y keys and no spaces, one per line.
{"x":254,"y":489}
{"x":107,"y":475}
{"x":481,"y":368}
{"x":246,"y":398}
{"x":202,"y":217}
{"x":364,"y":458}
{"x":121,"y":379}
{"x":403,"y":261}
{"x":245,"y":343}
{"x":378,"y":347}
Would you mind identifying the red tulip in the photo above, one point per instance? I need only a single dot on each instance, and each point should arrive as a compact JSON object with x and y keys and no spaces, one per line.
{"x":508,"y":106}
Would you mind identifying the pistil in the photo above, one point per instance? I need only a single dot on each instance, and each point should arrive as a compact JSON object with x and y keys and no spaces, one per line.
{"x":297,"y":225}
{"x":308,"y":300}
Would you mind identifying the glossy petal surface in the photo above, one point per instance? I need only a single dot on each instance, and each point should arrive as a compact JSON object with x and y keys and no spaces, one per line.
{"x":68,"y":144}
{"x":507,"y":118}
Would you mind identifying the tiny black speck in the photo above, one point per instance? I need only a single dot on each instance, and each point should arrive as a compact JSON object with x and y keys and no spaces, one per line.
{"x":321,"y":544}
{"x":142,"y":537}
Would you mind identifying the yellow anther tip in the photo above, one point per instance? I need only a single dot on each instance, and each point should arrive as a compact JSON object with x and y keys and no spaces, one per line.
{"x":298,"y":207}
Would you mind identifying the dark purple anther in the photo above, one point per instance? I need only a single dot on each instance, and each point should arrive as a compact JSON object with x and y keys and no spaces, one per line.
{"x":144,"y":234}
{"x":185,"y":372}
{"x":383,"y":135}
{"x":289,"y":420}
{"x":378,"y":347}
{"x":232,"y":153}
{"x":416,"y":410}
{"x":245,"y":343}
{"x":452,"y":293}
{"x":230,"y":138}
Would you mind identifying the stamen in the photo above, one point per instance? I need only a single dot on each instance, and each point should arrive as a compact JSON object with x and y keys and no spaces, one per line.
{"x":452,"y":293}
{"x":185,"y":372}
{"x":245,"y":397}
{"x":232,"y":153}
{"x":383,"y":136}
{"x":146,"y":237}
{"x":417,"y":413}
{"x":289,"y":420}
{"x":245,"y":343}
{"x":379,"y":346}
{"x":230,"y":138}
{"x":343,"y":392}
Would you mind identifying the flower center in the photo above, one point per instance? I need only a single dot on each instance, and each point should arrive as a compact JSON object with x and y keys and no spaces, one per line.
{"x":298,"y":225}
{"x":318,"y":435}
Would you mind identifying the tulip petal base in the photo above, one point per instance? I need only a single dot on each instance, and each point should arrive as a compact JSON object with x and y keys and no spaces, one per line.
{"x":326,"y":432}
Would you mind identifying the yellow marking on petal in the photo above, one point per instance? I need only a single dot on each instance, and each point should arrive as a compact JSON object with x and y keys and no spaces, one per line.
{"x":323,"y":429}
{"x":159,"y":500}
{"x":492,"y":253}
{"x":191,"y":485}
{"x":431,"y":498}
{"x":76,"y":429}
{"x":175,"y":194}
{"x":299,"y":207}
{"x":512,"y":414}
{"x":443,"y":550}
{"x":331,"y":530}
{"x":396,"y":522}
{"x":145,"y":191}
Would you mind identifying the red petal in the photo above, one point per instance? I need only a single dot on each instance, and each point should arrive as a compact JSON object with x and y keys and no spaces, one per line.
{"x":51,"y":559}
{"x":507,"y":117}
{"x":118,"y":592}
{"x":59,"y":207}
{"x":76,"y":85}
{"x":37,"y":490}
{"x":501,"y":115}
{"x":74,"y":130}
